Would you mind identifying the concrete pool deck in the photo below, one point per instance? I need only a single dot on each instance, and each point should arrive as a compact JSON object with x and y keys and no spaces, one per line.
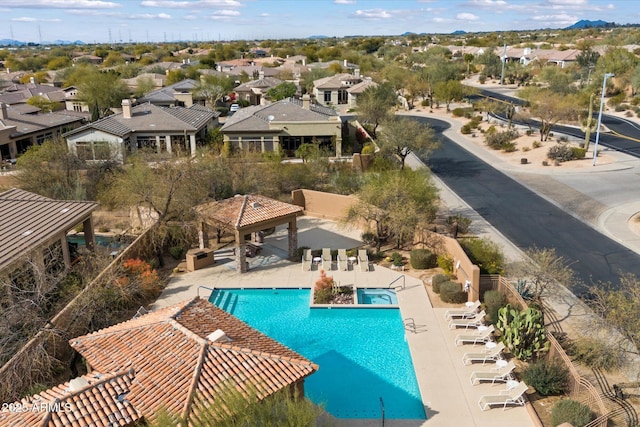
{"x":447,"y":394}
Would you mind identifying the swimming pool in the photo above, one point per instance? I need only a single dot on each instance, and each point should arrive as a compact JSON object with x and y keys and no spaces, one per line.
{"x":377,"y":296}
{"x":106,"y":241}
{"x":362,"y":353}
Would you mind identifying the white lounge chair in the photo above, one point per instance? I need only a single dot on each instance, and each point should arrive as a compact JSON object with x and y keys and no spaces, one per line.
{"x":342,"y":260}
{"x":363,"y":260}
{"x":491,"y":353}
{"x":482,"y":336}
{"x":474,"y":322}
{"x":326,"y":259}
{"x":501,"y":373}
{"x":469,"y":310}
{"x":307,"y":260}
{"x":508,"y":396}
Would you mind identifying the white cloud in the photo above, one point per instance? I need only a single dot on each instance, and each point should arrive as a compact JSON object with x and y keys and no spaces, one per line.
{"x":30,"y":19}
{"x":61,"y":4}
{"x":486,"y":3}
{"x":227,"y":13}
{"x":344,"y":1}
{"x":555,"y":18}
{"x":149,"y":16}
{"x":187,"y":4}
{"x":373,"y":14}
{"x":467,"y":17}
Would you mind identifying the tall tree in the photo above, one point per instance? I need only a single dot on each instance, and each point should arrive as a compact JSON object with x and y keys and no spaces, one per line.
{"x":100,"y":90}
{"x":213,"y":88}
{"x":550,"y":108}
{"x":402,"y":136}
{"x":375,"y":103}
{"x":282,"y":91}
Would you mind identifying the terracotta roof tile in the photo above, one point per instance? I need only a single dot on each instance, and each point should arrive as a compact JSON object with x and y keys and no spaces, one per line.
{"x":174,"y":361}
{"x":242,"y":211}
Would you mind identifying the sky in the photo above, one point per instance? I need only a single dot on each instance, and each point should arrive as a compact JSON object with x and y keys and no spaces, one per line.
{"x":102,"y":21}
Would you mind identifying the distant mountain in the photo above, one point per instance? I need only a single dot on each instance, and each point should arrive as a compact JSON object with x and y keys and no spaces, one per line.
{"x":318,"y":37}
{"x":458,"y":32}
{"x":10,"y":42}
{"x":585,"y":23}
{"x":64,"y":42}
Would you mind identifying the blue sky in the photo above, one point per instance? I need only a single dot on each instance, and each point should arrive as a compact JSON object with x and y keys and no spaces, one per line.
{"x":159,"y":20}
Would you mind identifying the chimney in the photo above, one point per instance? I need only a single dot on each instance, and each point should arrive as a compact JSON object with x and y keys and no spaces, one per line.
{"x":32,"y":80}
{"x":304,"y":62}
{"x":260,"y":75}
{"x":345,"y":63}
{"x":356,"y":72}
{"x":306,"y":101}
{"x":3,"y":111}
{"x":166,"y":72}
{"x":126,"y":108}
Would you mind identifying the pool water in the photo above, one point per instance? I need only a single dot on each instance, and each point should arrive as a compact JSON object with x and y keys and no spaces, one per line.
{"x":377,"y":296}
{"x":105,"y":241}
{"x":362,"y":353}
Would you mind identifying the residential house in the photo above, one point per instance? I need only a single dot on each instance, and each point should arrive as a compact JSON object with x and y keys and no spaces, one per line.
{"x":179,"y":359}
{"x":179,"y":94}
{"x":254,"y":90}
{"x":332,"y":90}
{"x":157,"y":80}
{"x":34,"y":234}
{"x":20,"y":131}
{"x":354,"y":91}
{"x":86,"y":58}
{"x":173,"y":130}
{"x":18,"y":93}
{"x":72,"y":101}
{"x":284,"y":125}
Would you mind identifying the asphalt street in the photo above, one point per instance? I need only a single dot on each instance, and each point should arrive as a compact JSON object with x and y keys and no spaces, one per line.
{"x":526,"y":218}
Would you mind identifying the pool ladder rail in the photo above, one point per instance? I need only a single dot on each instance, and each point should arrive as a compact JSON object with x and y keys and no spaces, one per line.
{"x":410,"y":325}
{"x":399,"y":286}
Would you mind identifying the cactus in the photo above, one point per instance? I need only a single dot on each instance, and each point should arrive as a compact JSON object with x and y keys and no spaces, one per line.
{"x":523,"y":332}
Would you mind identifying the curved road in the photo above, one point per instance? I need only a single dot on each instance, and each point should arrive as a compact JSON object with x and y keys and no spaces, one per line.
{"x":526,"y":218}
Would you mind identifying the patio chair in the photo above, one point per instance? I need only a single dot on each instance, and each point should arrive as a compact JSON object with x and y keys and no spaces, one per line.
{"x":469,"y":310}
{"x":509,"y":396}
{"x":501,"y":373}
{"x":307,"y":260}
{"x":482,"y":336}
{"x":363,"y":260}
{"x":326,"y":258}
{"x":474,"y":322}
{"x":492,"y":353}
{"x":342,"y":259}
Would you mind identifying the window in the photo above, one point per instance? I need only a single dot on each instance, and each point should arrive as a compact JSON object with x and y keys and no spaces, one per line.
{"x":77,"y":107}
{"x":93,"y":150}
{"x":327,"y":96}
{"x":42,"y":138}
{"x":83,"y":151}
{"x":343,"y":96}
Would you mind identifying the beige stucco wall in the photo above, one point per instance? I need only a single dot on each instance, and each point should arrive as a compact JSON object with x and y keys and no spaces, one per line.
{"x":323,"y":205}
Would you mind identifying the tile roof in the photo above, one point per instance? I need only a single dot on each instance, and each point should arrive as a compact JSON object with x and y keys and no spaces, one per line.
{"x":177,"y":366}
{"x":94,"y":400}
{"x":264,"y":83}
{"x":29,"y":220}
{"x":242,"y":211}
{"x":30,"y":123}
{"x":259,"y":117}
{"x":151,"y":118}
{"x":362,"y":86}
{"x":166,"y":94}
{"x":336,"y":82}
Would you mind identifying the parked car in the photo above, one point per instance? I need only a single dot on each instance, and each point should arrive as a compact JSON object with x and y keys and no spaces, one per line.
{"x":234,"y":108}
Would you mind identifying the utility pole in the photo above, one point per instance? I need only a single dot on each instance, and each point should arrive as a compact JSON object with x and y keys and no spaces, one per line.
{"x":504,"y":59}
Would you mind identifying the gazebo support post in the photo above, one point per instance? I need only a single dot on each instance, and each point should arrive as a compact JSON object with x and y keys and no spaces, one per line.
{"x":293,"y":239}
{"x":203,"y":236}
{"x":241,"y":253}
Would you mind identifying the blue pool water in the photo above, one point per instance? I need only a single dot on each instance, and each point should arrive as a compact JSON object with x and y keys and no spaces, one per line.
{"x":100,"y":240}
{"x":361,"y":352}
{"x":377,"y":296}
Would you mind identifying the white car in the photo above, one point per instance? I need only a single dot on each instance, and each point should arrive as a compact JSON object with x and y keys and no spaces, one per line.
{"x":234,"y":108}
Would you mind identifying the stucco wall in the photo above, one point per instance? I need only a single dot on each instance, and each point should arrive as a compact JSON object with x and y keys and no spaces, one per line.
{"x":323,"y":205}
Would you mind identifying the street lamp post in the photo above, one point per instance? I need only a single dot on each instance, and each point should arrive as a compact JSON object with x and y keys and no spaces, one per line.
{"x":595,"y":146}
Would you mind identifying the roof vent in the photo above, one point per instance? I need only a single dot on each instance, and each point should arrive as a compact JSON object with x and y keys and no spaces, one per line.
{"x":217,"y":336}
{"x":255,"y":205}
{"x":27,"y":232}
{"x":78,"y":384}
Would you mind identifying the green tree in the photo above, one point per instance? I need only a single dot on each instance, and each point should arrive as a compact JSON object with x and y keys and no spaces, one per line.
{"x":282,"y":91}
{"x":58,"y":63}
{"x":45,"y":104}
{"x":550,"y":108}
{"x":450,"y":91}
{"x":394,"y":203}
{"x":212,"y":89}
{"x":491,"y":62}
{"x":375,"y":103}
{"x":144,"y":85}
{"x":100,"y":90}
{"x":401,"y":136}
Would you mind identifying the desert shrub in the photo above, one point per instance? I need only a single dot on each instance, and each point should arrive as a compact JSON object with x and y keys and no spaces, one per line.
{"x":572,"y":412}
{"x":491,"y":130}
{"x":452,"y":292}
{"x":396,"y":259}
{"x":525,"y":149}
{"x":463,"y":223}
{"x":176,"y":252}
{"x":485,"y":253}
{"x":445,"y":262}
{"x":425,"y":103}
{"x":548,"y":378}
{"x":466,"y":129}
{"x":475,"y":121}
{"x":509,"y":147}
{"x":422,"y":259}
{"x":500,"y":140}
{"x":536,"y":144}
{"x":438,"y":280}
{"x":578,"y":153}
{"x":458,"y":112}
{"x":616,"y":100}
{"x":103,"y":229}
{"x":493,"y":301}
{"x":368,"y":238}
{"x":482,"y":79}
{"x":596,"y":354}
{"x":368,"y":149}
{"x":635,"y":101}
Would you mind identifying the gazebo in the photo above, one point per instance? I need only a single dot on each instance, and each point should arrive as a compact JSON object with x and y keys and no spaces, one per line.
{"x":247,"y":214}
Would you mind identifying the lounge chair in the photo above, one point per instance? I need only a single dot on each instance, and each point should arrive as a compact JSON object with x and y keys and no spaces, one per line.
{"x":489,"y":354}
{"x":482,"y":336}
{"x":474,"y":322}
{"x":509,"y":396}
{"x":469,"y":310}
{"x":501,"y":373}
{"x":326,"y":259}
{"x":307,"y":260}
{"x":363,"y":260}
{"x":342,"y":259}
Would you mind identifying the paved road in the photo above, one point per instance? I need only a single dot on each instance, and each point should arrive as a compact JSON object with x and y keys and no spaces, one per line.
{"x":526,"y":218}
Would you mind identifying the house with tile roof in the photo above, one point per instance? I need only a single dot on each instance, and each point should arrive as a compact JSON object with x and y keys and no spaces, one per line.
{"x":171,"y":130}
{"x":284,"y":125}
{"x":332,"y":90}
{"x":253,"y":91}
{"x":20,"y":129}
{"x":356,"y":90}
{"x":178,"y":358}
{"x":179,"y":94}
{"x":34,"y":233}
{"x":18,"y":93}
